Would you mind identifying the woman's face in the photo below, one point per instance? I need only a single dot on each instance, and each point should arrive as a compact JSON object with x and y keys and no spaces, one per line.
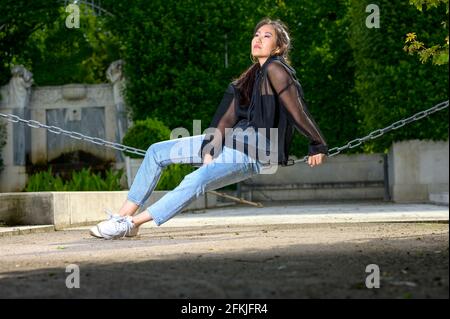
{"x":264,"y":41}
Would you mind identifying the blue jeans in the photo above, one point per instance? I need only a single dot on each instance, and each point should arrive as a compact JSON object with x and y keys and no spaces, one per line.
{"x":231,"y":166}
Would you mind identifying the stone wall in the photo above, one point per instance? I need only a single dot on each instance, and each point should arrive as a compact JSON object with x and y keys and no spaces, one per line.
{"x":418,"y":169}
{"x":96,"y":110}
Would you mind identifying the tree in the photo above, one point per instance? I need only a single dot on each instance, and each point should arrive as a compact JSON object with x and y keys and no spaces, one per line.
{"x":18,"y":21}
{"x":34,"y":34}
{"x":438,"y":52}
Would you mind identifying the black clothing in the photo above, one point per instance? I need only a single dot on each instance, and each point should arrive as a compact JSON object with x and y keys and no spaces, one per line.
{"x":277,"y":102}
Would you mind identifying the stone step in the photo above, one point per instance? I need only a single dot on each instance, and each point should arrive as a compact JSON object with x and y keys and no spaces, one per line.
{"x":27,"y":229}
{"x":334,"y":191}
{"x":439,"y":198}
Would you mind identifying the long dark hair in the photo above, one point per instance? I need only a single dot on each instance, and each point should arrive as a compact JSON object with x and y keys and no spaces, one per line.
{"x":246,"y":80}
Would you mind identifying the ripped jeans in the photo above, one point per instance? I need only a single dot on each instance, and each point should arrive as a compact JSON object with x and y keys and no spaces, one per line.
{"x":231,"y":166}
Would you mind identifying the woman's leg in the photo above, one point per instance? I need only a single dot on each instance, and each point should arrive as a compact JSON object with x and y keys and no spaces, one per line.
{"x":157,"y":158}
{"x":229,"y":167}
{"x":128,"y":208}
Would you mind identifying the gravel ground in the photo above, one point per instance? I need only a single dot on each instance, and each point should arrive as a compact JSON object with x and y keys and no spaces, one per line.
{"x":234,"y":261}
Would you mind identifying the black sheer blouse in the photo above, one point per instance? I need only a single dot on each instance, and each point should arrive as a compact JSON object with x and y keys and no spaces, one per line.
{"x":277,"y":101}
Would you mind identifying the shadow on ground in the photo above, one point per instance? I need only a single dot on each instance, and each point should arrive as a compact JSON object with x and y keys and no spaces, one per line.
{"x":411,"y":266}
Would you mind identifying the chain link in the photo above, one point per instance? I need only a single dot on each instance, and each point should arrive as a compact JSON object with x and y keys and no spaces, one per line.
{"x":75,"y":135}
{"x":379,"y":132}
{"x":332,"y":152}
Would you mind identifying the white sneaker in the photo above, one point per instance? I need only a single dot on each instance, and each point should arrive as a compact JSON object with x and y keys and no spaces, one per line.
{"x":96,"y":232}
{"x":116,"y":227}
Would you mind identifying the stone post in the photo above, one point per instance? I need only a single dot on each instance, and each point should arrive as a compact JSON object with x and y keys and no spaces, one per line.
{"x":115,"y":76}
{"x":16,"y":98}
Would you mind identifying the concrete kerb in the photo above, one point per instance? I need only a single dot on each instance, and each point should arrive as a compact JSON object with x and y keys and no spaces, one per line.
{"x":69,"y":209}
{"x":23,"y":230}
{"x":62,"y":210}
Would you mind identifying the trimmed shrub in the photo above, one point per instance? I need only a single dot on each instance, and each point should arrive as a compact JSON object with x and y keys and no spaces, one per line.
{"x":144,"y":133}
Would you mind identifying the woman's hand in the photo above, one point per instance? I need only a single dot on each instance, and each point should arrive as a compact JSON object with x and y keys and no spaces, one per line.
{"x":207,"y":159}
{"x":316,"y":159}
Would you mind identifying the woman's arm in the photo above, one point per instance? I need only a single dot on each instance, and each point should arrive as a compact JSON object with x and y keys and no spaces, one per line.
{"x":225,"y":117}
{"x":283,"y":83}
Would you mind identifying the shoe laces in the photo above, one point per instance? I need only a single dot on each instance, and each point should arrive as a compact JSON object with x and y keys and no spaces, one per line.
{"x":124,"y":225}
{"x":121,"y":222}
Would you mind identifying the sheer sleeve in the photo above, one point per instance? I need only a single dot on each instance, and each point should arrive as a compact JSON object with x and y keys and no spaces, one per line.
{"x":225,"y":117}
{"x":283,"y":83}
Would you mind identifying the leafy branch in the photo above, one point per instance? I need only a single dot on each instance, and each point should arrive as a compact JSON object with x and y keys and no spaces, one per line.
{"x":438,"y":52}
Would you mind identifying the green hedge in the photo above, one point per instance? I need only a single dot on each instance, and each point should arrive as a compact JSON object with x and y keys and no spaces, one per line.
{"x":175,"y":58}
{"x":392,"y":85}
{"x":325,"y":67}
{"x":84,"y":180}
{"x":175,"y":55}
{"x":355,"y":79}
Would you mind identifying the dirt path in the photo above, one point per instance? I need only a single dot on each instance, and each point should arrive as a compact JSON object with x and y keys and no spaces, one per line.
{"x":268,"y":261}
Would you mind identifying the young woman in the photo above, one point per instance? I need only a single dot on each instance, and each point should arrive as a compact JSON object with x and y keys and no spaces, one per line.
{"x":267,"y":95}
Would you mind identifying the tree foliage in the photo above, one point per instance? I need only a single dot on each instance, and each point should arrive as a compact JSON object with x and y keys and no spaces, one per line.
{"x":180,"y":56}
{"x":391,"y":84}
{"x":438,"y":52}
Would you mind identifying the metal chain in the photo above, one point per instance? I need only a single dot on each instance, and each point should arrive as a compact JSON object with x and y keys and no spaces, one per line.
{"x":74,"y":135}
{"x":332,"y":152}
{"x":379,"y":132}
